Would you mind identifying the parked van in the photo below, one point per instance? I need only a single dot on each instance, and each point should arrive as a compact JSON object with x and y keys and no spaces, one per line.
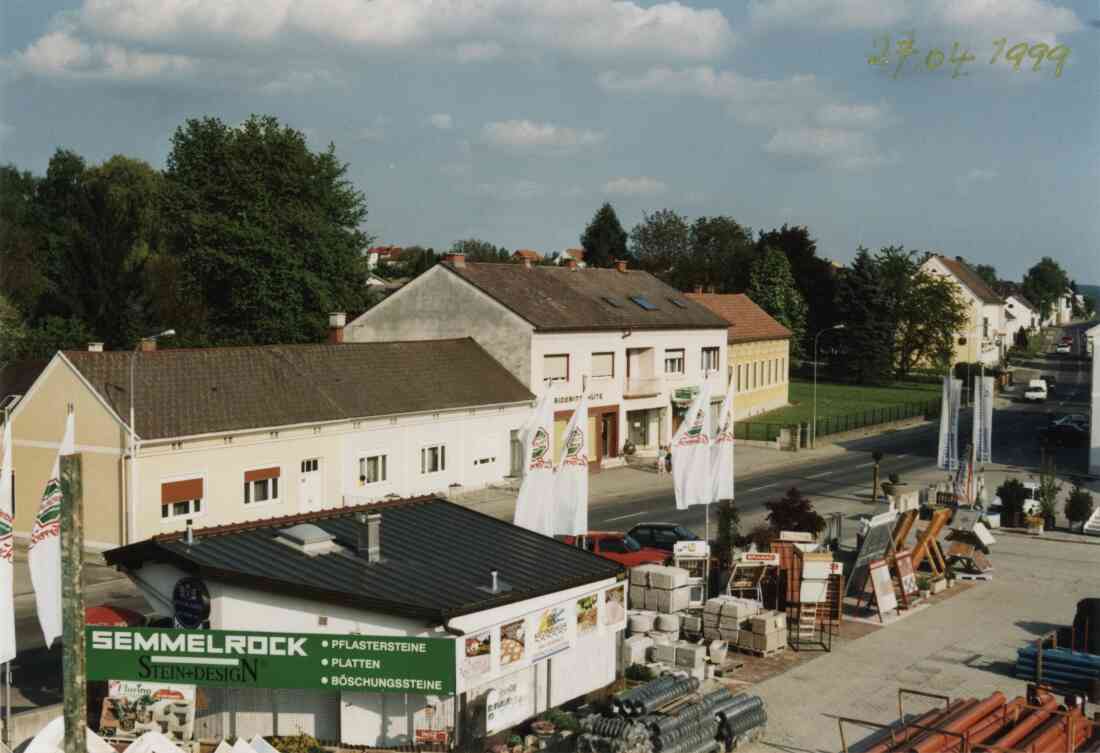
{"x":1036,"y":391}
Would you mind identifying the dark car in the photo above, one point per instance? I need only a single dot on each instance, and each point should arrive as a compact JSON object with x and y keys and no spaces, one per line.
{"x":661,"y":535}
{"x":1065,"y":435}
{"x":1052,"y":384}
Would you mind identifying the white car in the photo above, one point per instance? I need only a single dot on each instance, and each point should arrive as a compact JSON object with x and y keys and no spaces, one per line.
{"x":1064,"y":348}
{"x":1036,"y":391}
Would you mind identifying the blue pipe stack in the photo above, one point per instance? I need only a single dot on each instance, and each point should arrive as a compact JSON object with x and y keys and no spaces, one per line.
{"x":1062,"y":668}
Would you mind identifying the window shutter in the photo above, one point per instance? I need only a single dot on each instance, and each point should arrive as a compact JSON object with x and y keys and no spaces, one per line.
{"x":261,"y":473}
{"x":180,"y":491}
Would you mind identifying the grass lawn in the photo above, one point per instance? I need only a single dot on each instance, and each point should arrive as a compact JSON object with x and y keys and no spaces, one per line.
{"x":846,"y":399}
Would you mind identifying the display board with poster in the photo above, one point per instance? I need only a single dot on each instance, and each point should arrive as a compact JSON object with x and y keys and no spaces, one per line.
{"x":907,"y":579}
{"x":876,"y":545}
{"x":613,"y":608}
{"x":134,"y":707}
{"x":883,"y":586}
{"x":510,"y":701}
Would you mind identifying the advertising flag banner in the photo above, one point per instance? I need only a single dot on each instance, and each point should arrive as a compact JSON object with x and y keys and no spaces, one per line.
{"x":535,"y":504}
{"x":691,"y":477}
{"x":44,"y":553}
{"x":983,"y":420}
{"x":571,"y":479}
{"x":7,"y":552}
{"x":722,"y":453}
{"x":949,"y":424}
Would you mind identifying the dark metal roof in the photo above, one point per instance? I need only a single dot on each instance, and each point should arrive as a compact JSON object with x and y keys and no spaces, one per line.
{"x":191,"y":391}
{"x":436,"y":559}
{"x":555,"y":298}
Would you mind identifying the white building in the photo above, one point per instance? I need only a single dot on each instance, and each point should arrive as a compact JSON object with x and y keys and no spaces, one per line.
{"x":414,"y":568}
{"x":983,"y":337}
{"x":1093,"y":338}
{"x":640,"y":346}
{"x":1062,"y":310}
{"x":225,"y":435}
{"x":1020,"y":316}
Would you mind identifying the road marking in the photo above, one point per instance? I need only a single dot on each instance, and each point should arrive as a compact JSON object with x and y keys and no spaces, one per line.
{"x":819,"y":475}
{"x":631,"y":515}
{"x":865,"y":464}
{"x":765,"y":486}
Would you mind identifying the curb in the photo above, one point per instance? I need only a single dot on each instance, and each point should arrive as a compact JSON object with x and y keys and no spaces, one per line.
{"x":1044,"y":537}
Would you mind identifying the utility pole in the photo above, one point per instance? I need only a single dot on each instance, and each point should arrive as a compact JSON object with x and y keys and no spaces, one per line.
{"x":72,"y":598}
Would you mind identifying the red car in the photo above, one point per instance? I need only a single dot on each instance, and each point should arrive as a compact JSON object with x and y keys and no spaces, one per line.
{"x":619,"y":547}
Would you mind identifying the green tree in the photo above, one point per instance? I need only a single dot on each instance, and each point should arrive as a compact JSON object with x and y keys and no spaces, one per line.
{"x":479,"y":250}
{"x":729,"y":531}
{"x":988,"y":273}
{"x":814,"y":276}
{"x":1012,"y":494}
{"x":1045,"y":283}
{"x":604,"y":240}
{"x":1079,"y":504}
{"x":772,"y":287}
{"x":722,"y":252}
{"x":268,"y":232}
{"x":53,"y":333}
{"x":1049,"y":487}
{"x":794,"y":512}
{"x":661,"y":242}
{"x":865,"y":347}
{"x":13,"y":332}
{"x":22,"y":268}
{"x":415,"y":260}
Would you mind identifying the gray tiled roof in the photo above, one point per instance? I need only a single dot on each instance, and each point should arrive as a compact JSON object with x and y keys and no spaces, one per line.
{"x":191,"y":391}
{"x":554,"y":298}
{"x":436,"y":559}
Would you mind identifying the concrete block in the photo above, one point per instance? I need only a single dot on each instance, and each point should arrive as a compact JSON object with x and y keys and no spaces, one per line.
{"x":769,"y":641}
{"x":731,"y":637}
{"x":689,"y":655}
{"x":637,"y":596}
{"x":664,"y":653}
{"x":769,"y":622}
{"x":712,"y":634}
{"x":651,"y":599}
{"x":668,"y":578}
{"x":639,"y":576}
{"x":672,"y":600}
{"x":660,"y":637}
{"x":711,"y":619}
{"x":744,"y":639}
{"x":692,"y":623}
{"x":700,"y":673}
{"x":635,"y":649}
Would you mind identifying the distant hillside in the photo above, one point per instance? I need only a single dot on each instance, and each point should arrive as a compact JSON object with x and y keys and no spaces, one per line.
{"x":1090,"y":290}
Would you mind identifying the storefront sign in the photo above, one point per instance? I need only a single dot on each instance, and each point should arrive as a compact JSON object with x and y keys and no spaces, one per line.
{"x":509,"y":702}
{"x":592,"y":396}
{"x":691,"y":549}
{"x":240,"y":659}
{"x":550,"y":631}
{"x":190,"y":603}
{"x":770,"y":559}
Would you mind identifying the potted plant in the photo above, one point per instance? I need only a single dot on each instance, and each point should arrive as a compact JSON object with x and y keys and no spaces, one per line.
{"x":1012,"y":494}
{"x":924,"y":584}
{"x":1079,"y":505}
{"x":939,"y":585}
{"x":1048,"y":491}
{"x":1034,"y":524}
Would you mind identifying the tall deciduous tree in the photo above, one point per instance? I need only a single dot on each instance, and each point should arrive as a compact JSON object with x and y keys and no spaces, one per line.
{"x":722,"y":253}
{"x":988,"y":273}
{"x":772,"y":287}
{"x":1045,"y":283}
{"x":604,"y":240}
{"x":928,"y":320}
{"x":865,"y":346}
{"x":478,"y":250}
{"x":661,"y":242}
{"x":268,"y":232}
{"x":814,"y":276}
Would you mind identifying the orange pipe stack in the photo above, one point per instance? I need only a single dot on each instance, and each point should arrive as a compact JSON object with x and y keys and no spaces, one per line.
{"x":910,"y":731}
{"x":1028,"y":725}
{"x":939,"y":741}
{"x":986,"y":728}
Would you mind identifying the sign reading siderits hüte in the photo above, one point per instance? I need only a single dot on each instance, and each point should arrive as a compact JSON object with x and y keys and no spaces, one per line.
{"x":244,"y":659}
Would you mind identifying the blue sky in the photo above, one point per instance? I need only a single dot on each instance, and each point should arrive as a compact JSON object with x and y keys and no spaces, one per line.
{"x":513,"y":120}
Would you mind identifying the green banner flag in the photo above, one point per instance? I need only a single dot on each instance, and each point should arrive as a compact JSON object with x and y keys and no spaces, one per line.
{"x":244,"y":659}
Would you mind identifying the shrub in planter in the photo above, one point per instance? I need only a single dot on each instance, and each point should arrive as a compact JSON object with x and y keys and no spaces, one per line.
{"x":1079,"y":506}
{"x":794,"y":512}
{"x":1012,"y":493}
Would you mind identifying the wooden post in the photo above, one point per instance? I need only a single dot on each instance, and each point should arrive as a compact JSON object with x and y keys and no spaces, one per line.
{"x":72,"y":609}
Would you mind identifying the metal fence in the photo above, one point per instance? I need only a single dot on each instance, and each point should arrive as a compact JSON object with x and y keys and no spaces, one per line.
{"x":764,"y":431}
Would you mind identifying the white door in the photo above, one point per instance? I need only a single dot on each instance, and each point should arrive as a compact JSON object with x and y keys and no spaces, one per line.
{"x":309,"y":485}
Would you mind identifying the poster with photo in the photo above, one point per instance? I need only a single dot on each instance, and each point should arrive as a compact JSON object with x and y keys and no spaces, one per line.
{"x":513,"y":643}
{"x":613,"y":609}
{"x":587,"y":611}
{"x":478,"y":656}
{"x":550,"y":631}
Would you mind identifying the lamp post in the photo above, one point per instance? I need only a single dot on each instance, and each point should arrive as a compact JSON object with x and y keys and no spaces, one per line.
{"x":133,"y":434}
{"x":813,"y":429}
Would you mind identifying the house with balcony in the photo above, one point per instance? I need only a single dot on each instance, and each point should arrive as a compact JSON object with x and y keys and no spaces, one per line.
{"x":639,"y":347}
{"x":983,"y":337}
{"x":233,"y":434}
{"x":759,"y":353}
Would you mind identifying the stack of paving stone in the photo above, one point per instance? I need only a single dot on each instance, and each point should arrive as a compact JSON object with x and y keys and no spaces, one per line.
{"x":724,"y":617}
{"x":672,"y":715}
{"x":659,"y":588}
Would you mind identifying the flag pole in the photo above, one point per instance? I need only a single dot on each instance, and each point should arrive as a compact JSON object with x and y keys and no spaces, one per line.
{"x":72,"y":562}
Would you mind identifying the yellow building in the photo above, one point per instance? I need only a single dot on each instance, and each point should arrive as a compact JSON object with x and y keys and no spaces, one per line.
{"x":759,"y":353}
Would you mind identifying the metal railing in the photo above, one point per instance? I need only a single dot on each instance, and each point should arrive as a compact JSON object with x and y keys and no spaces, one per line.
{"x":768,"y":431}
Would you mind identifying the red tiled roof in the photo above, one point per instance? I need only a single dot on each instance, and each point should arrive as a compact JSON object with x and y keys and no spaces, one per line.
{"x":748,"y":321}
{"x":526,"y":253}
{"x":576,"y":253}
{"x":385,"y":250}
{"x":970,"y":279}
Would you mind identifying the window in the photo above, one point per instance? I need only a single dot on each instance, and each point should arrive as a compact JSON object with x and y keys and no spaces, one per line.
{"x":710,"y":359}
{"x":612,"y":302}
{"x":985,"y":326}
{"x":372,"y":469}
{"x":674,"y":361}
{"x":643,"y":302}
{"x":485,"y":461}
{"x":677,"y":302}
{"x":433,"y":459}
{"x":740,"y":371}
{"x":555,"y":368}
{"x":179,"y":499}
{"x":615,"y":546}
{"x":261,"y":486}
{"x":310,"y":466}
{"x":603,"y":365}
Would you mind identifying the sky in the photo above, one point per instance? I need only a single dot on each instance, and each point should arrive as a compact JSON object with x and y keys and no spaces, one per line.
{"x":513,"y":120}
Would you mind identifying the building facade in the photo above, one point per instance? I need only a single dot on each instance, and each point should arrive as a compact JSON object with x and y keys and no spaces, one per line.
{"x":1020,"y":317}
{"x":639,"y":348}
{"x":1092,"y":337}
{"x":225,"y":435}
{"x":983,"y":337}
{"x":759,"y":353}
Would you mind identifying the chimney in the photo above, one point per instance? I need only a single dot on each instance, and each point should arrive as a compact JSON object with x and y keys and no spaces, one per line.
{"x":620,"y":265}
{"x":370,"y":536}
{"x":190,"y":533}
{"x":571,"y":263}
{"x":148,"y":344}
{"x":698,"y":288}
{"x":459,"y":260}
{"x":336,"y":324}
{"x":95,"y":347}
{"x":494,"y":580}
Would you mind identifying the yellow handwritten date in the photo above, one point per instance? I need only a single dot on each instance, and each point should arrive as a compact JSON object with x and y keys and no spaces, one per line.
{"x":1016,"y":55}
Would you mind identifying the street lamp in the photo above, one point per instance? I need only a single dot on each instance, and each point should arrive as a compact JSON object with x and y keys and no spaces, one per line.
{"x":133,"y":433}
{"x":813,"y":436}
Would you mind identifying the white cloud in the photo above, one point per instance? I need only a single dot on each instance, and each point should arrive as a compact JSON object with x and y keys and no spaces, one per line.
{"x":61,"y":54}
{"x":297,"y":82}
{"x":640,"y":186}
{"x":1030,"y":20}
{"x":852,"y":116}
{"x":837,"y":148}
{"x":527,"y":135}
{"x":442,"y":121}
{"x":478,"y":52}
{"x":515,"y":190}
{"x":587,"y":28}
{"x":981,"y":175}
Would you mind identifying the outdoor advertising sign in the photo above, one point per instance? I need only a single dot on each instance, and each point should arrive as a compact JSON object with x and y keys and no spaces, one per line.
{"x":244,"y":659}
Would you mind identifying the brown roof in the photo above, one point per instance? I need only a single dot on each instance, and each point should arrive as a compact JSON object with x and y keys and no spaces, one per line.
{"x":17,"y":377}
{"x":970,"y":279}
{"x":385,"y":250}
{"x":188,"y":391}
{"x":747,"y":321}
{"x":527,"y":253}
{"x":559,"y":299}
{"x":576,"y":253}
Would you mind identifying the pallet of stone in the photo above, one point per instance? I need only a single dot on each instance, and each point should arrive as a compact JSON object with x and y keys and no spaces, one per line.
{"x":763,"y":654}
{"x":639,"y":576}
{"x":769,"y":622}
